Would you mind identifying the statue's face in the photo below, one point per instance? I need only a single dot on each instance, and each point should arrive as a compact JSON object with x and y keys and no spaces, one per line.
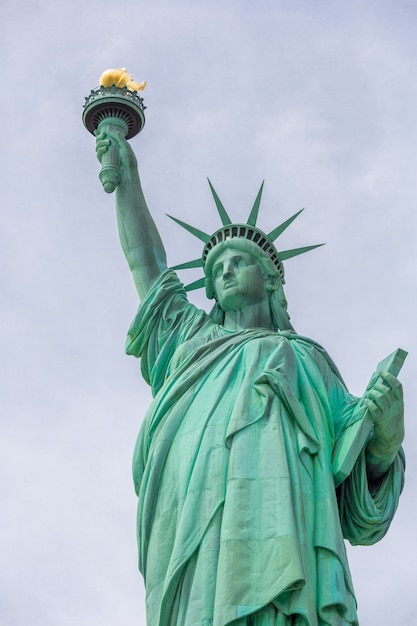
{"x":238,"y":280}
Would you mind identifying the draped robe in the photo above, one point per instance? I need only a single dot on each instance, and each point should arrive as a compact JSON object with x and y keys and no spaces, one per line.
{"x":239,"y":521}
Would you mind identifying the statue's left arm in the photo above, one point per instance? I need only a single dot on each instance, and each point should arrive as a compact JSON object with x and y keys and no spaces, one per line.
{"x":368,"y":497}
{"x":386,"y":407}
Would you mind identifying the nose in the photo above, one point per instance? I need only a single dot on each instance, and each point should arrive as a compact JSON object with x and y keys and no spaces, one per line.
{"x":228,"y":271}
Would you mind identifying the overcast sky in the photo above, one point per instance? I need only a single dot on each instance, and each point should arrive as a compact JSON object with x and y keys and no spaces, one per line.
{"x":319,"y":98}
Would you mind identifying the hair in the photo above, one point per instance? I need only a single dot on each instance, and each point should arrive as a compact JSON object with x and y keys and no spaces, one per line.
{"x":277,"y":300}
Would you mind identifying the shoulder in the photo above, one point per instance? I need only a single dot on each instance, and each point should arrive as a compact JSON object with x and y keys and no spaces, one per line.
{"x":164,"y":314}
{"x":308,"y":347}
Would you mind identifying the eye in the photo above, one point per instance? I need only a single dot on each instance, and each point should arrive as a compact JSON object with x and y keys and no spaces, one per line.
{"x":217,"y":271}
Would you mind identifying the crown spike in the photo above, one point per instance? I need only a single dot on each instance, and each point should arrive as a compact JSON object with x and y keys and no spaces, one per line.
{"x":274,"y":234}
{"x":220,"y":208}
{"x":289,"y":254}
{"x":189,"y":265}
{"x":197,"y":284}
{"x":247,"y":231}
{"x":255,"y":209}
{"x":204,"y":237}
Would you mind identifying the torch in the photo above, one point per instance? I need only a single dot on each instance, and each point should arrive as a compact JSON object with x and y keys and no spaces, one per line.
{"x":115,"y":105}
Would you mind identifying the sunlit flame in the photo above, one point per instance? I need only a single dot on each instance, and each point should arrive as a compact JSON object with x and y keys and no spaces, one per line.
{"x":121,"y":78}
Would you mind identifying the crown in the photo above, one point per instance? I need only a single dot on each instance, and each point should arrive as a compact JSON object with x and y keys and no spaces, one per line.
{"x":263,"y":242}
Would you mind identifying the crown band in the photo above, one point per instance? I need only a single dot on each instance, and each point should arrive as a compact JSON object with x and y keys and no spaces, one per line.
{"x":250,"y":233}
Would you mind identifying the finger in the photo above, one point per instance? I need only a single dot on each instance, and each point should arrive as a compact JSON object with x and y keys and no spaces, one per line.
{"x":101,"y":152}
{"x":103,"y":142}
{"x":381,"y":397}
{"x":374,"y":410}
{"x":115,"y":134}
{"x":102,"y":146}
{"x":393,"y":383}
{"x":382,"y":391}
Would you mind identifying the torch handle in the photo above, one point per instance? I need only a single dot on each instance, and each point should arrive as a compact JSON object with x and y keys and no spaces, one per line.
{"x":110,"y":162}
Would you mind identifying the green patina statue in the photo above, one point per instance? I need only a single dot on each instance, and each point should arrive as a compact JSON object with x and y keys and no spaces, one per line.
{"x":241,"y":514}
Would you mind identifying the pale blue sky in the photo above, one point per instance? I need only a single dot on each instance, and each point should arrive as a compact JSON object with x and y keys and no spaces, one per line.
{"x":317,"y":98}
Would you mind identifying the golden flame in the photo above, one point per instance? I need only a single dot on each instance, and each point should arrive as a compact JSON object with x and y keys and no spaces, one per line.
{"x":120,"y":78}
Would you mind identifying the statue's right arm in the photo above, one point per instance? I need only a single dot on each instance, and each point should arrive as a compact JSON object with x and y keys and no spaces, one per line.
{"x":141,"y":243}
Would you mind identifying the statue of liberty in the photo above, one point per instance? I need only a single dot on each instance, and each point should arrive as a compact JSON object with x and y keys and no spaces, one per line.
{"x":241,"y":521}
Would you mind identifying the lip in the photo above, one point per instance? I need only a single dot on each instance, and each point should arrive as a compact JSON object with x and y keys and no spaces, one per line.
{"x":229,"y":283}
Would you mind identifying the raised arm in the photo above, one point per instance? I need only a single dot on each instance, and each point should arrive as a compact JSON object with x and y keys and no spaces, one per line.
{"x":141,"y":243}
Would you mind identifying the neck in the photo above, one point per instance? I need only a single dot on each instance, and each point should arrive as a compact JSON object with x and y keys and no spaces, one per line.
{"x":250,"y":316}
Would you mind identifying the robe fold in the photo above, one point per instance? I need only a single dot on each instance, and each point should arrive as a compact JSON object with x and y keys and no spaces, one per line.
{"x":239,"y":521}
